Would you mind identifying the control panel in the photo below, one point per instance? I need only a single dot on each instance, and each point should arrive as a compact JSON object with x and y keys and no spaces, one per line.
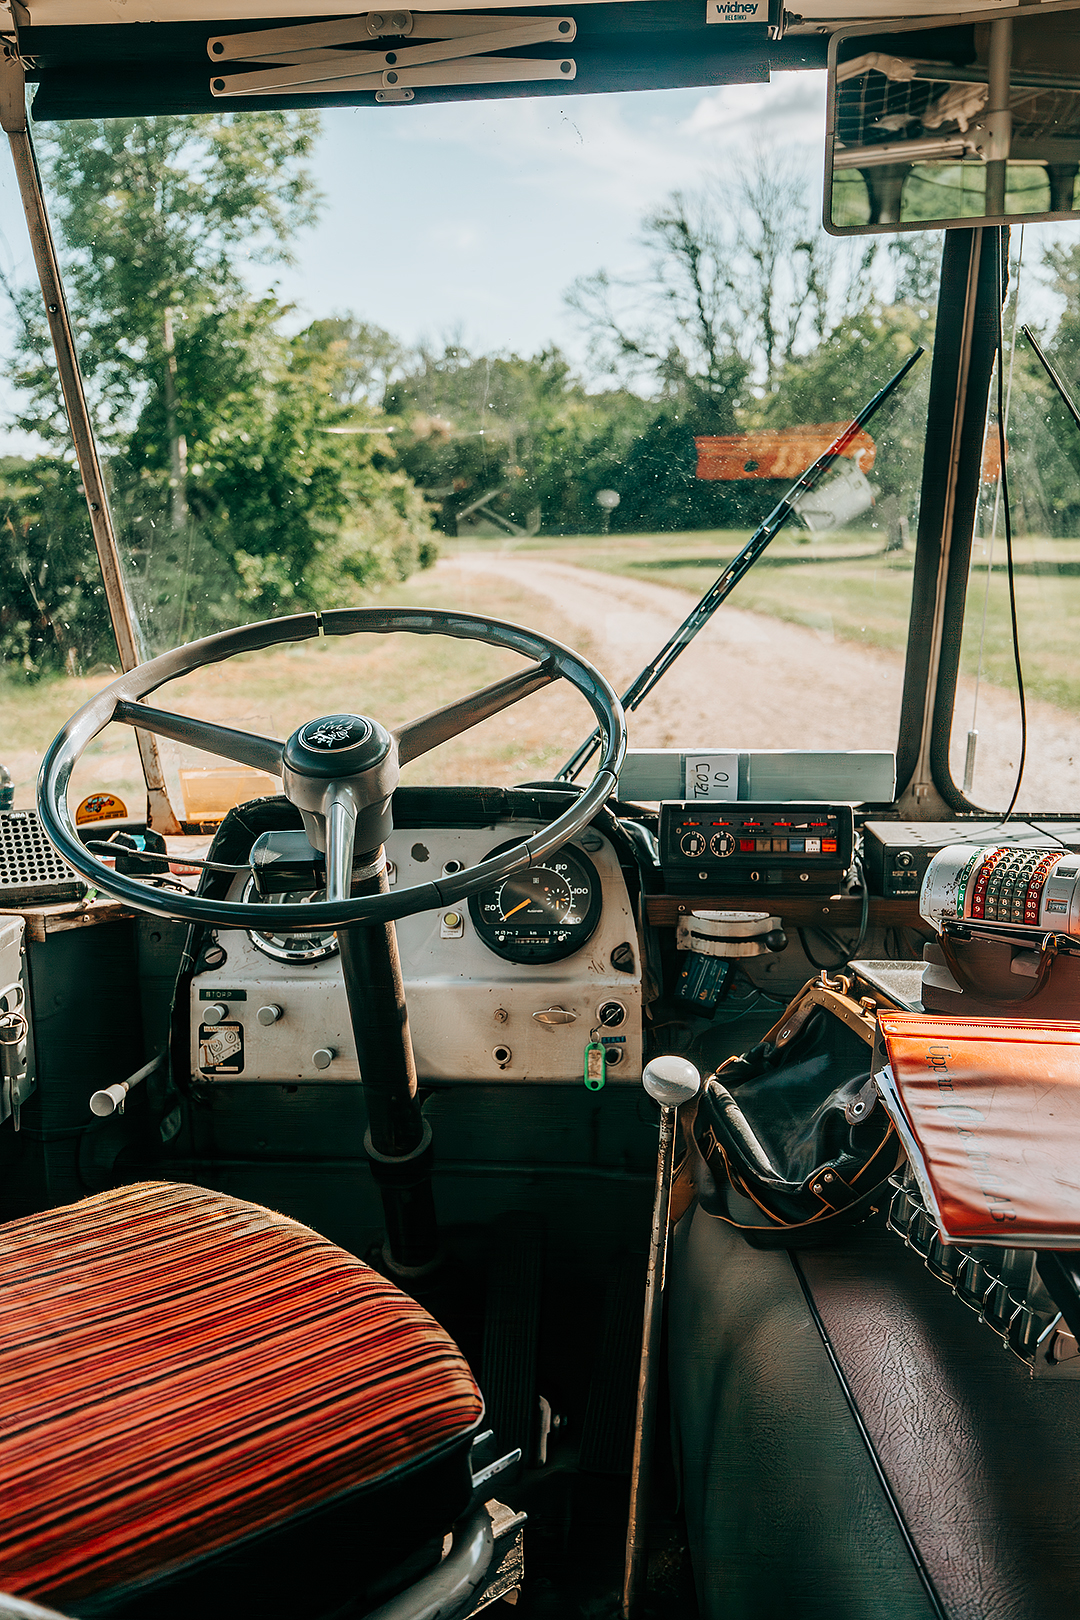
{"x":513,"y":986}
{"x":897,"y":853}
{"x":735,"y":848}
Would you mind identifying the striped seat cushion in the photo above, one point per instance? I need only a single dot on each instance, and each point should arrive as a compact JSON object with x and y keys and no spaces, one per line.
{"x":182,"y":1370}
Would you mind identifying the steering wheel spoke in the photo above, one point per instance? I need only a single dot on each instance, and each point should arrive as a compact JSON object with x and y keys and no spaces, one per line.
{"x":245,"y":747}
{"x":419,"y":736}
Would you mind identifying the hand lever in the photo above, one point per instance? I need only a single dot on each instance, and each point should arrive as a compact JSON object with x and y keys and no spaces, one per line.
{"x":340,"y":833}
{"x":669,"y":1082}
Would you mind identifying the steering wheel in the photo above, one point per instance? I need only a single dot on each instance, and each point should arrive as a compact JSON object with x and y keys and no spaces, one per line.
{"x":339,"y":770}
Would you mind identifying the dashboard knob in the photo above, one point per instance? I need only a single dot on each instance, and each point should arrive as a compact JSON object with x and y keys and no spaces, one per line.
{"x":214,"y":1013}
{"x":323,"y":1058}
{"x":269,"y":1015}
{"x":671,"y":1080}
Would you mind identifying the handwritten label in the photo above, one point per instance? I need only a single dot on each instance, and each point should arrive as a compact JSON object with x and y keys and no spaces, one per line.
{"x":711,"y":776}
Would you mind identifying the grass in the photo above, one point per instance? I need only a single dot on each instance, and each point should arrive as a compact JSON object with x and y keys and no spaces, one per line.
{"x":392,"y":677}
{"x":845,"y":587}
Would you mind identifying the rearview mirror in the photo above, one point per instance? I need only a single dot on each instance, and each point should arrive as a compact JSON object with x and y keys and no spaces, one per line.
{"x":974,"y":122}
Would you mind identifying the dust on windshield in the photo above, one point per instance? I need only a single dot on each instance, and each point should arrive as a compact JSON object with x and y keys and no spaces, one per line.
{"x":1043,"y":464}
{"x":579,"y":445}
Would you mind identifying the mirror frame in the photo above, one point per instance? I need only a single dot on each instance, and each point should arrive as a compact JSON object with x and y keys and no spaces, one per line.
{"x":924,"y":25}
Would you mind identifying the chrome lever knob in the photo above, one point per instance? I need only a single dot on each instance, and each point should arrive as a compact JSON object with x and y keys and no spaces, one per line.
{"x":671,"y":1080}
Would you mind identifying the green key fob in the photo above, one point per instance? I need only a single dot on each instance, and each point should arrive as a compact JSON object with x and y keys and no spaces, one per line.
{"x":595,"y":1066}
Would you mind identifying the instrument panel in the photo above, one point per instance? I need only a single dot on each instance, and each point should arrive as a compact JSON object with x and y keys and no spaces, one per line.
{"x":542,"y":914}
{"x":511,"y":987}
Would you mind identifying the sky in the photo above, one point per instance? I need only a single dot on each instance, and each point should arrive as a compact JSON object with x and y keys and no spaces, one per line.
{"x":480,"y":214}
{"x":474,"y":218}
{"x":471,"y":220}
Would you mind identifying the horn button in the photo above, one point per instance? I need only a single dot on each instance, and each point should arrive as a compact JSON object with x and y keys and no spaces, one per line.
{"x":337,"y":745}
{"x":340,"y":771}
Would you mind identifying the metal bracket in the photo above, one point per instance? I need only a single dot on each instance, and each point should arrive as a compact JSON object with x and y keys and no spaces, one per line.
{"x":991,"y":138}
{"x":12,"y":92}
{"x":322,"y":57}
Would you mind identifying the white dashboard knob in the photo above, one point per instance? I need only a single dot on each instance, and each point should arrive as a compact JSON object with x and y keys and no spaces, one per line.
{"x":269,"y":1015}
{"x":323,"y":1058}
{"x":671,"y":1080}
{"x":214,"y":1013}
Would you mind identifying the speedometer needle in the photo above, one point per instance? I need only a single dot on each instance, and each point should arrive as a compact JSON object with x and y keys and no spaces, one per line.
{"x":519,"y":907}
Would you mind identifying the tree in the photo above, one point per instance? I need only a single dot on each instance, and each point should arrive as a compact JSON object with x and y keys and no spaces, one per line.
{"x":738,"y":278}
{"x":368,"y":358}
{"x":155,"y":215}
{"x":742,"y":284}
{"x":521,"y":430}
{"x":236,"y":466}
{"x":52,"y":609}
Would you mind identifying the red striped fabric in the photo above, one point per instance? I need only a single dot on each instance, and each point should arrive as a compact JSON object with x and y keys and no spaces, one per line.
{"x":182,"y":1369}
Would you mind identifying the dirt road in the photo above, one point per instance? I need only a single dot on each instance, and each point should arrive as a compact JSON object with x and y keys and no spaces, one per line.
{"x":751,"y":681}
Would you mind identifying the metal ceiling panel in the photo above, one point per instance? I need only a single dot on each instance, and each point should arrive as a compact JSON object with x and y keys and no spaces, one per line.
{"x":126,"y":70}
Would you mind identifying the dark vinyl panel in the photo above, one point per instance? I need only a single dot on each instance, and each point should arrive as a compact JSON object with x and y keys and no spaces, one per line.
{"x":88,"y":1033}
{"x":132,"y":70}
{"x":784,"y":1509}
{"x":980,"y":1456}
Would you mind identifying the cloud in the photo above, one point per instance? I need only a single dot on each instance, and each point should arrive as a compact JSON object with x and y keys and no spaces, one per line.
{"x":789,"y":111}
{"x":480,"y":214}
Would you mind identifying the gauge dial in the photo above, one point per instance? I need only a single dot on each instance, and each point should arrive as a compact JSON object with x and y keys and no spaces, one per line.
{"x":543,"y":912}
{"x":294,"y":945}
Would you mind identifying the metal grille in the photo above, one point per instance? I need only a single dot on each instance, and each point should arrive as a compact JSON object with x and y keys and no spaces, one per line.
{"x":873,"y":108}
{"x":1000,"y":1285}
{"x":31,"y":872}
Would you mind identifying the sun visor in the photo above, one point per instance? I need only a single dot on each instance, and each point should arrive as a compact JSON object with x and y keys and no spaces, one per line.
{"x":203,"y":64}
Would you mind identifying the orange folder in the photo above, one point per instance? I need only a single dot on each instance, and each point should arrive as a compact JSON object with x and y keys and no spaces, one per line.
{"x":989,"y":1111}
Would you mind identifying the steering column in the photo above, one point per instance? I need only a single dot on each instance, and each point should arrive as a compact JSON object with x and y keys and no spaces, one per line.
{"x":340,"y":772}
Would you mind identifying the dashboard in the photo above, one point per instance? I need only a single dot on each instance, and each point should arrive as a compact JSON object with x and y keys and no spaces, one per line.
{"x":511,"y":986}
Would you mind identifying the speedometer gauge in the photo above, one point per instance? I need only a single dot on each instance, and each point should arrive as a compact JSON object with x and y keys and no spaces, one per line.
{"x":293,"y":944}
{"x":543,"y":912}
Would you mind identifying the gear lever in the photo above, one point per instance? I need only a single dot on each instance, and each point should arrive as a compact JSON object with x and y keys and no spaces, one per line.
{"x":669,"y":1081}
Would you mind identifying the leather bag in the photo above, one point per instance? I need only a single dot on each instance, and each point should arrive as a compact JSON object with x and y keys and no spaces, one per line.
{"x":789,"y":1142}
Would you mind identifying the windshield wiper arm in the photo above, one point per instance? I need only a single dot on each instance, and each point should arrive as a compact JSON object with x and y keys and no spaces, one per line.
{"x":721,"y":589}
{"x":1052,"y":374}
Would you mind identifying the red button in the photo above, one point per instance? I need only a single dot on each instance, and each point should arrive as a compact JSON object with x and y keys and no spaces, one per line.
{"x":828,"y":846}
{"x":747,"y":846}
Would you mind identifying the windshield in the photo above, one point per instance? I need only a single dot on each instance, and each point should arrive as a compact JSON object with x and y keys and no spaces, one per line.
{"x":555,"y":370}
{"x":1043,"y":461}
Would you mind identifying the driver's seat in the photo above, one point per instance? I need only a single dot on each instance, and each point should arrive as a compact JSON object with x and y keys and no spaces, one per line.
{"x":206,"y":1408}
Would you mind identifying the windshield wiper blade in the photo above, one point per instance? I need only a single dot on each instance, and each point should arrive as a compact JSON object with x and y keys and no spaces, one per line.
{"x":1052,"y":374}
{"x":721,"y":589}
